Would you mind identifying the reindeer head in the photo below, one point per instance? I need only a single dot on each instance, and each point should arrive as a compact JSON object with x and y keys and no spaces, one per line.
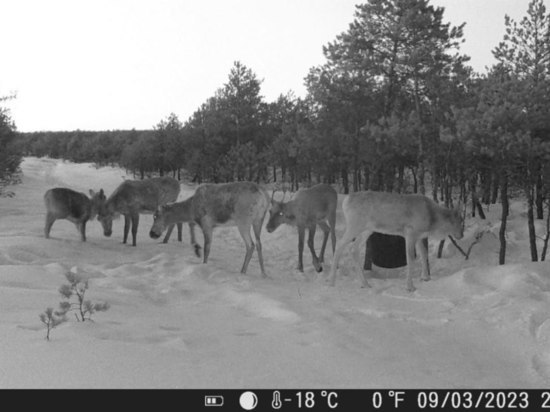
{"x":159,"y":222}
{"x":280,"y":213}
{"x":97,"y":200}
{"x":105,"y":216}
{"x":452,"y":223}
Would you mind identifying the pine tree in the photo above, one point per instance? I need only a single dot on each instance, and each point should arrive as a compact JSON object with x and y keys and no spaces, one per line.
{"x":524,"y":53}
{"x":10,"y":157}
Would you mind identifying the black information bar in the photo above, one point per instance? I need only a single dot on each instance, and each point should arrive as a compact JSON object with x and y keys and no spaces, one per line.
{"x":213,"y":400}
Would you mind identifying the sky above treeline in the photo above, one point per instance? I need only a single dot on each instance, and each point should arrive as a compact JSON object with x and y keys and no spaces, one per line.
{"x":126,"y":64}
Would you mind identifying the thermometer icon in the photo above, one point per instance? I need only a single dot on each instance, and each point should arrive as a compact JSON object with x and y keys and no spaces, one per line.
{"x":276,"y":403}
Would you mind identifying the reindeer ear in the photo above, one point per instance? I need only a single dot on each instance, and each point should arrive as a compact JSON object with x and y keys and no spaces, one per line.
{"x":92,"y":193}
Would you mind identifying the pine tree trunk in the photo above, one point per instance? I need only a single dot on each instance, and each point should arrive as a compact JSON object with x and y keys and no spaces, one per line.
{"x":356,"y":181}
{"x":436,"y":183}
{"x":540,"y":195}
{"x":400,"y":177}
{"x":531,"y":225}
{"x":389,"y":177}
{"x":547,"y":237}
{"x":494,"y":196}
{"x":503,"y":218}
{"x":486,"y":187}
{"x":345,"y":180}
{"x":366,"y":183}
{"x":421,"y":174}
{"x":415,"y":180}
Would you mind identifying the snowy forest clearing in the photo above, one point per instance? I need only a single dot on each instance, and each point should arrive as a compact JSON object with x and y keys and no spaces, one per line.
{"x":174,"y":322}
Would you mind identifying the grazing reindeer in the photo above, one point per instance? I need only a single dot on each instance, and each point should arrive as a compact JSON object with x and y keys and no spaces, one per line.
{"x":133,"y":197}
{"x":311,"y":207}
{"x":412,"y":216}
{"x":74,"y":206}
{"x":242,"y":204}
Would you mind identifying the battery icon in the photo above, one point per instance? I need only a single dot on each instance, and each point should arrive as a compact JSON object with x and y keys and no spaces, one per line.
{"x":211,"y":400}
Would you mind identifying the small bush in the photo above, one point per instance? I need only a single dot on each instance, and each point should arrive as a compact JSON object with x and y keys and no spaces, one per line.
{"x":76,"y":288}
{"x":51,"y":319}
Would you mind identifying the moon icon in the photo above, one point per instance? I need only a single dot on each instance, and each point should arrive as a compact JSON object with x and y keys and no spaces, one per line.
{"x":248,"y":400}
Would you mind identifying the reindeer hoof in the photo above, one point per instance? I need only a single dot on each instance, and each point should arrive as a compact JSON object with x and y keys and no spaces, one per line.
{"x":198,"y":251}
{"x":319,"y":269}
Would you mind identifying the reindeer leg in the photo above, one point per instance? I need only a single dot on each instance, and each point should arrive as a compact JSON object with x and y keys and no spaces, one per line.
{"x":180,"y":232}
{"x":257,"y":227}
{"x":368,"y":255}
{"x":168,"y":233}
{"x":135,"y":224}
{"x":410,"y":246}
{"x":126,"y":228}
{"x":301,"y":236}
{"x":49,"y":222}
{"x":348,"y":236}
{"x":332,"y":224}
{"x":82,"y":230}
{"x":311,"y":244}
{"x":244,"y":230}
{"x":196,"y":246}
{"x":422,"y":246}
{"x":326,"y":230}
{"x":207,"y":230}
{"x":356,"y":252}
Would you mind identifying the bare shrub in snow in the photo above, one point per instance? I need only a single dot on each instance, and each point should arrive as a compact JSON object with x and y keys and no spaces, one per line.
{"x":77,"y":288}
{"x":51,"y":319}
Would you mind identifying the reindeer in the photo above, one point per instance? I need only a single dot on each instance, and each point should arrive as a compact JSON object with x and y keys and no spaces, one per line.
{"x":311,"y":207}
{"x":74,"y":206}
{"x":412,"y":216}
{"x":133,"y":197}
{"x":241,"y":204}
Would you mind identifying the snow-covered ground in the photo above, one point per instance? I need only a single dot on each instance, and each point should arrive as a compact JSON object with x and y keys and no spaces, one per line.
{"x":176,"y":323}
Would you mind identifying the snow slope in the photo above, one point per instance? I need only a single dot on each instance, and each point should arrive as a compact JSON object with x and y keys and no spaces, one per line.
{"x":176,"y":323}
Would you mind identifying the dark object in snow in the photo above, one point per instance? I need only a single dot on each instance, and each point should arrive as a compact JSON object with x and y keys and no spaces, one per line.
{"x":386,"y":251}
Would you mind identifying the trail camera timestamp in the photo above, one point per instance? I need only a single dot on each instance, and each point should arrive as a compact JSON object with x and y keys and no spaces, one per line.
{"x":462,"y":399}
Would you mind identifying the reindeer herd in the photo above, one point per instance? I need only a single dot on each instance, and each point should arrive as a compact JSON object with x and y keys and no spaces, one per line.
{"x":245,"y":205}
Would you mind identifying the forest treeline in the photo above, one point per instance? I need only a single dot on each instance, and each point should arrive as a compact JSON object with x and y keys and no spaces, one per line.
{"x":394,"y":107}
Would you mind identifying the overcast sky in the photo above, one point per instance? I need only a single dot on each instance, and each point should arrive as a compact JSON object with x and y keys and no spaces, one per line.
{"x":122,"y":64}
